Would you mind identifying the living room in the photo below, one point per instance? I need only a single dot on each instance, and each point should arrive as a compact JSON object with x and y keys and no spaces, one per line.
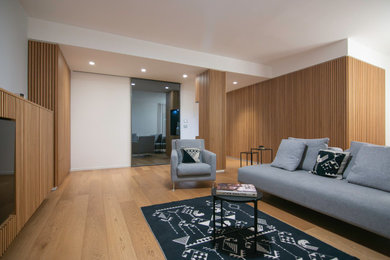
{"x":277,"y":70}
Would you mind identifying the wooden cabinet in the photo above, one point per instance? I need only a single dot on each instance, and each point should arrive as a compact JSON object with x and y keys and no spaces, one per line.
{"x":34,"y":160}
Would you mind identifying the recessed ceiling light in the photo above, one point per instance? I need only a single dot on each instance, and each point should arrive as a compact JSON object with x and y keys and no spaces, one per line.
{"x":185,"y":75}
{"x":133,"y":84}
{"x":91,"y":63}
{"x":235,"y":82}
{"x":166,"y":87}
{"x":143,"y":70}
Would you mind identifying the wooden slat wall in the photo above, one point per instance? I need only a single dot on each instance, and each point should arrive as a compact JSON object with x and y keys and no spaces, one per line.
{"x":211,"y":85}
{"x":342,"y":99}
{"x":366,"y":102}
{"x":49,"y":86}
{"x":34,"y":160}
{"x":42,"y":58}
{"x":309,"y":103}
{"x":7,"y":233}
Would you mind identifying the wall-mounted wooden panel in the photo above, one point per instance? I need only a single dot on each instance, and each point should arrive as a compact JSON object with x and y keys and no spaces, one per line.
{"x":49,"y":86}
{"x":62,"y":121}
{"x":7,"y":106}
{"x":34,"y":160}
{"x":341,"y":99}
{"x":366,"y":102}
{"x":211,"y":85}
{"x":42,"y":58}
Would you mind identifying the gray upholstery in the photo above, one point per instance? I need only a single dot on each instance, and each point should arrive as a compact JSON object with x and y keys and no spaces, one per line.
{"x":143,"y":145}
{"x":289,"y":154}
{"x":353,"y":149}
{"x":372,"y":167}
{"x":204,"y":171}
{"x":365,"y":207}
{"x":310,"y":155}
{"x":193,"y":169}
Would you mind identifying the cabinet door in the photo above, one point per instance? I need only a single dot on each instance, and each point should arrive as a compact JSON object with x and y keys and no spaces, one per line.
{"x":31,"y":160}
{"x":46,"y":152}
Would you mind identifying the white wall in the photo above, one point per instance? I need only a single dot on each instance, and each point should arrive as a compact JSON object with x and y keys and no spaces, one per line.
{"x":309,"y":58}
{"x":100,"y":121}
{"x":373,"y":57}
{"x":13,"y":47}
{"x":144,"y":120}
{"x":189,"y":111}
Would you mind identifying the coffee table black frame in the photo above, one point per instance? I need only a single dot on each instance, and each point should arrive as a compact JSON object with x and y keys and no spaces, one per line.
{"x":235,"y":199}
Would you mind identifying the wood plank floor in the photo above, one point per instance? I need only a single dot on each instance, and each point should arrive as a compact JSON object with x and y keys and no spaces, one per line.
{"x":96,"y":215}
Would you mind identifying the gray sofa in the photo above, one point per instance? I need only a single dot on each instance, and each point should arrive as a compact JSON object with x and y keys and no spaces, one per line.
{"x":365,"y":207}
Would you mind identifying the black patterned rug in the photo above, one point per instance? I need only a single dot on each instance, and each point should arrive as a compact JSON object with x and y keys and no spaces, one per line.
{"x":184,"y":230}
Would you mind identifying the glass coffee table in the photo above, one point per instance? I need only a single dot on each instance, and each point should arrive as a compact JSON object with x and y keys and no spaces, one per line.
{"x":235,"y":199}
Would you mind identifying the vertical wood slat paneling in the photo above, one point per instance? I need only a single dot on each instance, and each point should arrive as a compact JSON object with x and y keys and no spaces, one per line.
{"x":211,"y":85}
{"x":342,"y":99}
{"x":49,"y":86}
{"x":41,"y":68}
{"x":309,"y":103}
{"x":7,"y":233}
{"x":366,"y":102}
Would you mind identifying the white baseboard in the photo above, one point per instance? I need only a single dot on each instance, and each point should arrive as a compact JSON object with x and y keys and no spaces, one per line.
{"x":99,"y":168}
{"x":220,"y":171}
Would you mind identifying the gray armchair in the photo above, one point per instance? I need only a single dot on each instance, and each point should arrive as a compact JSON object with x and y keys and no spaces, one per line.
{"x":203,"y":171}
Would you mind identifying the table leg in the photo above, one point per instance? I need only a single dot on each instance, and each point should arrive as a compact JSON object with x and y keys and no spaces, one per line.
{"x":251,"y":158}
{"x":255,"y":225}
{"x":240,"y":160}
{"x":261,"y":156}
{"x":221,"y":215}
{"x":214,"y":220}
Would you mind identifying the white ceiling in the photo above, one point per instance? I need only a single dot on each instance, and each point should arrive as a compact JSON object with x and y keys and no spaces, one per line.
{"x":130,"y":66}
{"x":252,"y":30}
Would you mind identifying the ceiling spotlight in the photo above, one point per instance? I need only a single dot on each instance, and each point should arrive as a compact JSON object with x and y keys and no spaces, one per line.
{"x":185,"y":75}
{"x":91,"y":63}
{"x":166,"y":87}
{"x":133,"y":84}
{"x":235,"y":82}
{"x":143,"y":70}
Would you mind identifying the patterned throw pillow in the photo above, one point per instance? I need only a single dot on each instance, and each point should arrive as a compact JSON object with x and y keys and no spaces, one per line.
{"x":191,"y":155}
{"x":330,"y":163}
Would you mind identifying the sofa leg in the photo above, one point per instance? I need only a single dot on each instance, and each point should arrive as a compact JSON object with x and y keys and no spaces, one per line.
{"x":173,"y":186}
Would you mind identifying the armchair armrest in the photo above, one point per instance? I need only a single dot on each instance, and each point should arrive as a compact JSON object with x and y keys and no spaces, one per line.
{"x":211,"y":159}
{"x":174,"y":163}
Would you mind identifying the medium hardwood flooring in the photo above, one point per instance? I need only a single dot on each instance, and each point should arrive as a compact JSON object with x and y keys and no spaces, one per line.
{"x":96,"y":215}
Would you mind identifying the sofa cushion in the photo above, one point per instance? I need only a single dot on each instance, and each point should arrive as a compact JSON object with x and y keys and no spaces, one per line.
{"x":191,"y":155}
{"x":362,"y":206}
{"x":330,"y":163}
{"x":310,"y":155}
{"x":193,"y":169}
{"x":289,"y":154}
{"x":372,"y":167}
{"x":353,"y":149}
